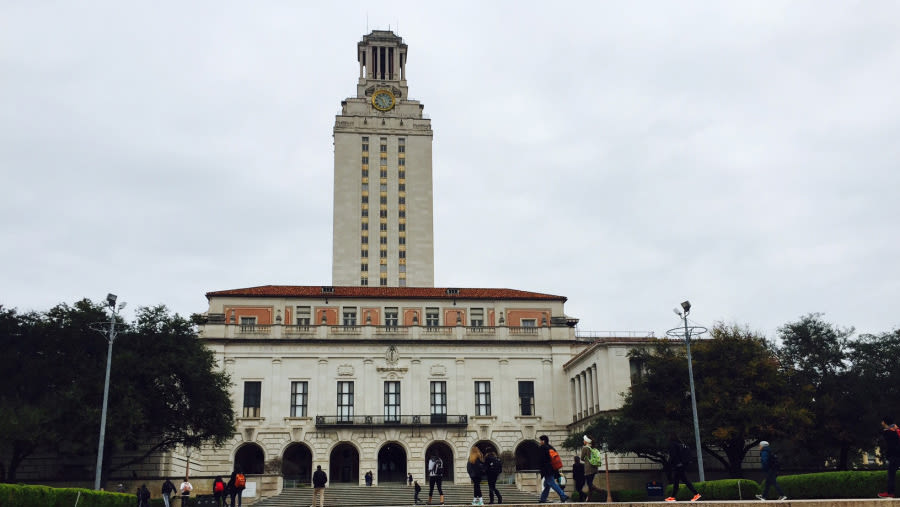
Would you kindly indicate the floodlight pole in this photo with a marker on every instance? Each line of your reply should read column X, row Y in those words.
column 687, row 341
column 111, row 337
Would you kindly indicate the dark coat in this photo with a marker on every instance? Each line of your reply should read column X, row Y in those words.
column 493, row 466
column 319, row 479
column 547, row 467
column 891, row 442
column 168, row 487
column 475, row 470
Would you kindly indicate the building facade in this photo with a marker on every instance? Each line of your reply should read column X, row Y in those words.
column 383, row 197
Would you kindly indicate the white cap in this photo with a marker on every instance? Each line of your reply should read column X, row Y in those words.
column 587, row 439
column 763, row 444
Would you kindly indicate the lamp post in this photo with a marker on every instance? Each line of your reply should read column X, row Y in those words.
column 110, row 338
column 686, row 335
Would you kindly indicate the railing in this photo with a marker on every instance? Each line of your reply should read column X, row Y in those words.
column 255, row 328
column 523, row 330
column 593, row 335
column 218, row 330
column 326, row 421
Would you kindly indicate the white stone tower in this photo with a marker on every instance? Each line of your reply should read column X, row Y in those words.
column 383, row 204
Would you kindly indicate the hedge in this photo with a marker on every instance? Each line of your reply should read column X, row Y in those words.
column 846, row 484
column 20, row 495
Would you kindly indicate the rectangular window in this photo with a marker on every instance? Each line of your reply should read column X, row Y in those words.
column 383, row 240
column 636, row 367
column 438, row 398
column 401, row 187
column 349, row 316
column 345, row 401
column 383, row 173
column 383, row 254
column 402, row 227
column 304, row 315
column 364, row 281
column 526, row 397
column 482, row 397
column 252, row 397
column 365, row 212
column 402, row 240
column 383, row 226
column 432, row 317
column 382, row 281
column 402, row 254
column 476, row 317
column 401, row 200
column 402, row 162
column 382, row 199
column 363, row 267
column 365, row 160
column 248, row 321
column 392, row 401
column 383, row 213
column 299, row 397
column 529, row 322
column 364, row 226
column 364, row 253
column 365, row 199
column 391, row 316
column 365, row 173
column 401, row 213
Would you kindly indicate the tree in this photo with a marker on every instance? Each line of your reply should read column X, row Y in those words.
column 741, row 398
column 875, row 382
column 165, row 386
column 816, row 357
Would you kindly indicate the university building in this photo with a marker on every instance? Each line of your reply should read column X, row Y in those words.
column 380, row 370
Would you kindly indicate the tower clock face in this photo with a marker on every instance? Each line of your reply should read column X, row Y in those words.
column 383, row 100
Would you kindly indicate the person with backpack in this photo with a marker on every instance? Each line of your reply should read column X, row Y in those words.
column 475, row 469
column 679, row 458
column 319, row 481
column 590, row 456
column 435, row 476
column 143, row 495
column 769, row 463
column 185, row 488
column 219, row 490
column 891, row 452
column 168, row 488
column 493, row 467
column 238, row 483
column 551, row 463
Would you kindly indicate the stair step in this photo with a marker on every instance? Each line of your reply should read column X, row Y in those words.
column 393, row 494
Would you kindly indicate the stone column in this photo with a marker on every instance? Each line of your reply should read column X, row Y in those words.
column 590, row 382
column 465, row 389
column 371, row 388
column 275, row 391
column 596, row 387
column 547, row 383
column 572, row 399
column 323, row 400
column 502, row 400
column 415, row 389
column 578, row 403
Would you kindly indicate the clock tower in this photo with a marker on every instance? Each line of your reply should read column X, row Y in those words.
column 383, row 227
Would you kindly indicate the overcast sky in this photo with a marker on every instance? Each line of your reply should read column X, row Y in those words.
column 626, row 155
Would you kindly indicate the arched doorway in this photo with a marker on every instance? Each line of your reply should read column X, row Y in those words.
column 296, row 465
column 249, row 459
column 392, row 463
column 344, row 462
column 443, row 451
column 528, row 456
column 486, row 446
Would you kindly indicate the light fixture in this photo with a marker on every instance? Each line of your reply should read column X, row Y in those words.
column 687, row 307
column 111, row 300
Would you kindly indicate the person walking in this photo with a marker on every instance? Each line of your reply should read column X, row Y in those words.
column 416, row 490
column 409, row 479
column 590, row 458
column 891, row 452
column 238, row 482
column 435, row 477
column 319, row 481
column 185, row 489
column 578, row 477
column 493, row 467
column 769, row 463
column 549, row 456
column 679, row 460
column 475, row 469
column 369, row 478
column 167, row 489
column 143, row 495
column 219, row 490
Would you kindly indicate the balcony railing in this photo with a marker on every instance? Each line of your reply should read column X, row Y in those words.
column 215, row 330
column 335, row 421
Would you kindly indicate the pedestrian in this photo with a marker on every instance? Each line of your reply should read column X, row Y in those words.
column 369, row 478
column 185, row 489
column 475, row 469
column 238, row 483
column 167, row 489
column 769, row 463
column 550, row 464
column 578, row 477
column 319, row 481
column 143, row 495
column 229, row 492
column 891, row 452
column 409, row 479
column 120, row 488
column 435, row 477
column 590, row 458
column 219, row 490
column 416, row 490
column 679, row 459
column 493, row 467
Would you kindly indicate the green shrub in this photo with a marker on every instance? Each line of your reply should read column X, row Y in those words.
column 846, row 484
column 20, row 495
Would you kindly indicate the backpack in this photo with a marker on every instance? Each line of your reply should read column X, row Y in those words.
column 240, row 481
column 494, row 465
column 555, row 460
column 686, row 454
column 219, row 487
column 438, row 470
column 594, row 458
column 774, row 462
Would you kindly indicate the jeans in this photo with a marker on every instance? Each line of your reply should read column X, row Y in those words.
column 236, row 493
column 772, row 480
column 893, row 463
column 492, row 488
column 166, row 499
column 549, row 482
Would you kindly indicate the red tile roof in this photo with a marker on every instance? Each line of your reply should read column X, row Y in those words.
column 318, row 291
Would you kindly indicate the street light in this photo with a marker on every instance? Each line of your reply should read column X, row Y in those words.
column 686, row 335
column 110, row 338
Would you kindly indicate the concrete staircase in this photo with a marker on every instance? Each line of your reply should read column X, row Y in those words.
column 392, row 494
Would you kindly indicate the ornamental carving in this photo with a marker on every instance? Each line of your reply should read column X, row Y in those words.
column 345, row 370
column 438, row 370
